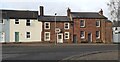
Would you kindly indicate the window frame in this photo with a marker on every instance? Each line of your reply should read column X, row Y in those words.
column 98, row 21
column 66, row 35
column 45, row 39
column 68, row 25
column 98, row 35
column 83, row 23
column 83, row 37
column 17, row 21
column 46, row 25
column 28, row 23
column 28, row 36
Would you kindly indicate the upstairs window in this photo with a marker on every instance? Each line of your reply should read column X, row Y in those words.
column 82, row 34
column 66, row 25
column 2, row 21
column 16, row 21
column 97, row 34
column 28, row 22
column 97, row 23
column 82, row 23
column 47, row 25
column 27, row 34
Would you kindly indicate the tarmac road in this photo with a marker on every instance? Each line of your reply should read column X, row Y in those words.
column 51, row 52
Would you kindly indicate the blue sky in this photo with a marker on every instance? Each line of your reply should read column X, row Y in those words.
column 58, row 6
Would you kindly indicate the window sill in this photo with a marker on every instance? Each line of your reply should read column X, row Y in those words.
column 82, row 26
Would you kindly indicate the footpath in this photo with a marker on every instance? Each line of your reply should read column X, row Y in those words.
column 97, row 55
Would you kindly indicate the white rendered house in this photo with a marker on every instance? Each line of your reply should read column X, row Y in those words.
column 20, row 26
column 116, row 32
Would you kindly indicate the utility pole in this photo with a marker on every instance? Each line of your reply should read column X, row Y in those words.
column 55, row 30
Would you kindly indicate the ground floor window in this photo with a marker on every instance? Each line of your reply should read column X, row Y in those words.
column 97, row 34
column 47, row 36
column 66, row 35
column 82, row 34
column 27, row 34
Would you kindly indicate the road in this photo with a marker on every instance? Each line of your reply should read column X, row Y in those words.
column 50, row 52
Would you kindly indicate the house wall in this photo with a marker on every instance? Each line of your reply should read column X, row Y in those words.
column 1, row 39
column 35, row 30
column 52, row 32
column 6, row 29
column 109, row 35
column 90, row 27
column 116, row 35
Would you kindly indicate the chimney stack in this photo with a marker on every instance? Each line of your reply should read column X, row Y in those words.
column 41, row 11
column 68, row 12
column 101, row 12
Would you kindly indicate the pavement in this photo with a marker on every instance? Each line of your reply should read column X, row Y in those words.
column 52, row 44
column 96, row 55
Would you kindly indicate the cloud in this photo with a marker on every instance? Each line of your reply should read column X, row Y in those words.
column 59, row 6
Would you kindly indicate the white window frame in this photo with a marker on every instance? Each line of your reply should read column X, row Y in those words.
column 99, row 23
column 67, row 25
column 66, row 35
column 28, row 22
column 98, row 36
column 84, row 23
column 17, row 21
column 45, row 25
column 28, row 35
column 83, row 36
column 45, row 36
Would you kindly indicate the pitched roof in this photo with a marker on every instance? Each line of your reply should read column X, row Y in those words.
column 52, row 18
column 87, row 15
column 21, row 14
column 116, row 24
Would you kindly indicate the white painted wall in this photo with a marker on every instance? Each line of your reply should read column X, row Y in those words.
column 116, row 35
column 35, row 29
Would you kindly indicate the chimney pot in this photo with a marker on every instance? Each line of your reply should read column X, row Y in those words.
column 68, row 12
column 41, row 11
column 101, row 12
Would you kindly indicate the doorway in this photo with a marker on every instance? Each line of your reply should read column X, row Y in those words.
column 74, row 39
column 16, row 36
column 60, row 38
column 89, row 37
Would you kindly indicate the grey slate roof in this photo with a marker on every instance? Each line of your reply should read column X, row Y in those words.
column 87, row 15
column 116, row 24
column 52, row 18
column 21, row 14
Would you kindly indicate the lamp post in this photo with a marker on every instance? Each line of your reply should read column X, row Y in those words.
column 55, row 30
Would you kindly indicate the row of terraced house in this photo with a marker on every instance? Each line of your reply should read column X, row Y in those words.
column 76, row 27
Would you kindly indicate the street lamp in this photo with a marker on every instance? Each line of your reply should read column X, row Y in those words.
column 55, row 29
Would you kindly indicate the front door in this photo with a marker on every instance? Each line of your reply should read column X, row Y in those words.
column 60, row 38
column 74, row 39
column 89, row 37
column 16, row 36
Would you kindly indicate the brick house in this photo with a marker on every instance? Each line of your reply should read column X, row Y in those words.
column 63, row 27
column 90, row 27
column 76, row 27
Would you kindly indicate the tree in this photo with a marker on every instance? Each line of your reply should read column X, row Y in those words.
column 114, row 10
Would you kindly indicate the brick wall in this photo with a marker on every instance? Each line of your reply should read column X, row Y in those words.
column 52, row 32
column 109, row 32
column 90, row 27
